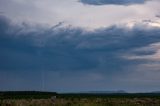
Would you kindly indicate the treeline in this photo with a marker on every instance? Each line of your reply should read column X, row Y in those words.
column 46, row 95
column 26, row 95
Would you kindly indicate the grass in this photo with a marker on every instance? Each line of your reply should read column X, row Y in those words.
column 82, row 102
column 44, row 99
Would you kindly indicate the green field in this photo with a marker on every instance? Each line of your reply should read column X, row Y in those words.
column 81, row 99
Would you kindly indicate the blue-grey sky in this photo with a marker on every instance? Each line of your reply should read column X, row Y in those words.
column 80, row 45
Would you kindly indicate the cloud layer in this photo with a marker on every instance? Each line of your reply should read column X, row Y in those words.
column 113, row 2
column 97, row 59
column 66, row 45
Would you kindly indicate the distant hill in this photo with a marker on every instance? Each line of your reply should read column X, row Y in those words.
column 155, row 92
column 106, row 92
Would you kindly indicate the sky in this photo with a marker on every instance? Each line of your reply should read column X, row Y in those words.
column 80, row 45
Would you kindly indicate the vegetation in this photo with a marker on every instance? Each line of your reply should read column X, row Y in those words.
column 45, row 99
column 26, row 95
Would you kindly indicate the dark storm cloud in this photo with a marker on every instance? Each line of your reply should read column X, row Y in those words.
column 28, row 51
column 69, row 49
column 32, row 58
column 114, row 2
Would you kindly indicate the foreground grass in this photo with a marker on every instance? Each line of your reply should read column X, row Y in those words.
column 82, row 102
column 44, row 99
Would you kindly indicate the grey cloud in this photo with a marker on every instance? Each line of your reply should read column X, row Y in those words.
column 69, row 49
column 66, row 51
column 113, row 2
column 149, row 53
column 21, row 52
column 158, row 16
